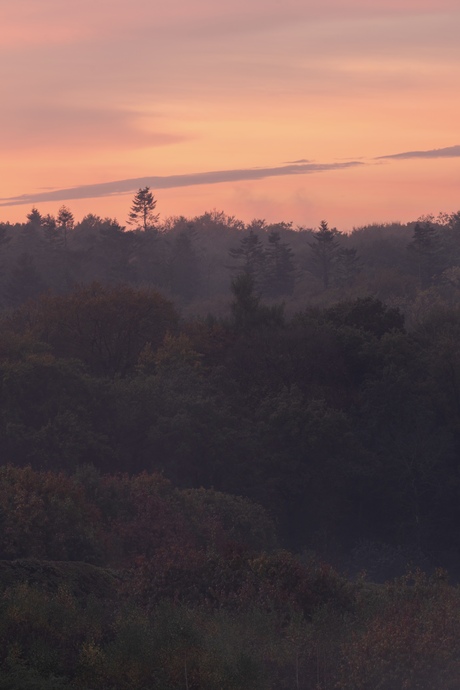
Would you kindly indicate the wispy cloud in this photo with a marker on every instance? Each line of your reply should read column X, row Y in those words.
column 301, row 166
column 448, row 152
column 172, row 181
column 54, row 127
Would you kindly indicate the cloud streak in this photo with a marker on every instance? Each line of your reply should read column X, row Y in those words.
column 57, row 127
column 107, row 189
column 447, row 152
column 301, row 166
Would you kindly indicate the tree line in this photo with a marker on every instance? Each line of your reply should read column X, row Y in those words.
column 264, row 496
column 193, row 261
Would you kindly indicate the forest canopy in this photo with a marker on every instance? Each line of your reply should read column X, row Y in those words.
column 218, row 442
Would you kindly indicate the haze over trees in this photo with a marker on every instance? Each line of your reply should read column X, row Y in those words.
column 218, row 442
column 193, row 261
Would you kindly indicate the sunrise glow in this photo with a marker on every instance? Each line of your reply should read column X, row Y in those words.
column 101, row 92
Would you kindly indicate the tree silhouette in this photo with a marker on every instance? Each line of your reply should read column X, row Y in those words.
column 425, row 248
column 279, row 268
column 348, row 266
column 65, row 223
column 249, row 256
column 35, row 218
column 324, row 252
column 142, row 210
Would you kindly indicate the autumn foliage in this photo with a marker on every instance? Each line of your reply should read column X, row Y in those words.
column 171, row 493
column 105, row 327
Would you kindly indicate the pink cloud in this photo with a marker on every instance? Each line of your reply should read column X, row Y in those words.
column 57, row 22
column 176, row 181
column 58, row 127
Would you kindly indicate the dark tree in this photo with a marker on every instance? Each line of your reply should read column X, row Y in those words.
column 142, row 210
column 450, row 238
column 50, row 230
column 54, row 261
column 25, row 282
column 325, row 249
column 35, row 218
column 425, row 248
column 184, row 266
column 118, row 248
column 348, row 266
column 65, row 223
column 107, row 328
column 5, row 239
column 152, row 254
column 246, row 303
column 249, row 257
column 279, row 267
column 368, row 314
column 247, row 311
column 29, row 237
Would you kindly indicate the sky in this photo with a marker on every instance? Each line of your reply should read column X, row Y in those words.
column 294, row 110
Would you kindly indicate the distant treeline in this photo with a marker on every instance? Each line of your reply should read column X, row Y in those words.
column 194, row 260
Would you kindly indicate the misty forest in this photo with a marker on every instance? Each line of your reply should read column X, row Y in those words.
column 230, row 453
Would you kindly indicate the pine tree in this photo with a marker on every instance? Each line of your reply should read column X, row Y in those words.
column 64, row 224
column 348, row 266
column 142, row 210
column 50, row 231
column 325, row 249
column 35, row 218
column 245, row 304
column 279, row 267
column 250, row 257
column 425, row 247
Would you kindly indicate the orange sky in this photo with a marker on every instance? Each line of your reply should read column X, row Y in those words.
column 109, row 91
